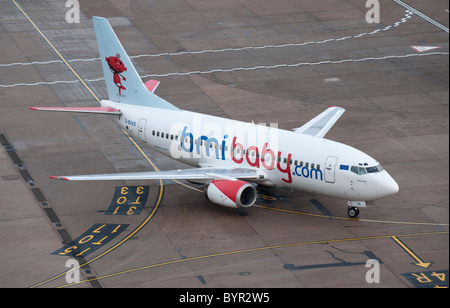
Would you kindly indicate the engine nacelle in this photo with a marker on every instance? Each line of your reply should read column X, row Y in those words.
column 235, row 194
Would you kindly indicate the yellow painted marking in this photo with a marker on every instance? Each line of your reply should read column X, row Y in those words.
column 56, row 51
column 161, row 191
column 412, row 254
column 131, row 139
column 252, row 250
column 353, row 219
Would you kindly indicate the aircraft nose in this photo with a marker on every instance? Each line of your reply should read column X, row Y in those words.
column 387, row 186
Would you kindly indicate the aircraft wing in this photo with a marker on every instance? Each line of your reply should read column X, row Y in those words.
column 99, row 110
column 322, row 123
column 181, row 174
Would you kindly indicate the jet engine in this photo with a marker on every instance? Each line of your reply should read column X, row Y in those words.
column 235, row 194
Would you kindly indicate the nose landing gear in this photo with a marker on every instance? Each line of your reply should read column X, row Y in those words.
column 353, row 207
column 353, row 212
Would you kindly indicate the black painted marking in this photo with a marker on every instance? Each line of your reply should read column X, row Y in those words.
column 321, row 208
column 202, row 280
column 65, row 236
column 38, row 195
column 95, row 237
column 51, row 215
column 341, row 263
column 428, row 279
column 3, row 140
column 128, row 200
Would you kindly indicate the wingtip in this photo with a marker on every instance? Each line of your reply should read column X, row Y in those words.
column 58, row 178
column 33, row 108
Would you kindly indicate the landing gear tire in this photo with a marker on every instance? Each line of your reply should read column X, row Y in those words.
column 353, row 212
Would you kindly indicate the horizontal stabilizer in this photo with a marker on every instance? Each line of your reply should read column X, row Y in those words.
column 98, row 110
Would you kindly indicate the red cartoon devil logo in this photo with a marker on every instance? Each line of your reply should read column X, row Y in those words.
column 117, row 67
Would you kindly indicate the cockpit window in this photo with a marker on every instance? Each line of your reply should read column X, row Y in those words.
column 372, row 169
column 363, row 170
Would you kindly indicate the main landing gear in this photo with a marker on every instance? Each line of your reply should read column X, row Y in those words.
column 352, row 211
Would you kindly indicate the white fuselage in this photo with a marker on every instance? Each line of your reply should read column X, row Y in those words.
column 286, row 158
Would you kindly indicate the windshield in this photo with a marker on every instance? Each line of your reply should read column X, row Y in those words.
column 363, row 170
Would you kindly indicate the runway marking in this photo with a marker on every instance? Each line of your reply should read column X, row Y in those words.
column 420, row 14
column 236, row 69
column 405, row 18
column 251, row 250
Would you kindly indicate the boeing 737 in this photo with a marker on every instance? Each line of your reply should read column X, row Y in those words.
column 231, row 157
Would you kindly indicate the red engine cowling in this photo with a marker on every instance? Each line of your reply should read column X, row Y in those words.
column 236, row 194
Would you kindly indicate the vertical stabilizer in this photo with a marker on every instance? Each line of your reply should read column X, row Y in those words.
column 122, row 80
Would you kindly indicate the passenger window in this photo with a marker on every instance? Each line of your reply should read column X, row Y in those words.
column 306, row 165
column 296, row 162
column 312, row 166
column 318, row 167
column 157, row 134
column 153, row 132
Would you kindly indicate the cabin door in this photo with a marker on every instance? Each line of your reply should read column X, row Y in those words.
column 141, row 129
column 330, row 167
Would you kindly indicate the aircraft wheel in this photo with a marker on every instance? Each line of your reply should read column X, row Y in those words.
column 353, row 212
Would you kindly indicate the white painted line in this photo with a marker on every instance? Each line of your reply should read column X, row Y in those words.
column 424, row 48
column 405, row 18
column 422, row 15
column 236, row 69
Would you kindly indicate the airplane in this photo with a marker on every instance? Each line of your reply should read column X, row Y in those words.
column 230, row 157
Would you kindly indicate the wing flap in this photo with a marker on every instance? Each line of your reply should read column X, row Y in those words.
column 98, row 110
column 322, row 123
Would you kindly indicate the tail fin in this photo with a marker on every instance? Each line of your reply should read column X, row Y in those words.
column 122, row 80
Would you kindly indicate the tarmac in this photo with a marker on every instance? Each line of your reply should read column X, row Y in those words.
column 248, row 60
